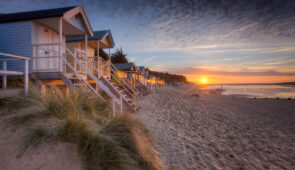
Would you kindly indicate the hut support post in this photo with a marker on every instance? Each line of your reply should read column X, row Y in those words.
column 98, row 60
column 26, row 77
column 114, row 107
column 59, row 43
column 121, row 104
column 86, row 41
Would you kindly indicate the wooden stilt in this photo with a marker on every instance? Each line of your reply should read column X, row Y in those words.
column 121, row 104
column 114, row 107
column 43, row 89
column 67, row 90
column 96, row 87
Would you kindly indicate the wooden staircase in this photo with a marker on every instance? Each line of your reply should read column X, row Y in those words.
column 72, row 81
column 129, row 102
column 141, row 88
column 117, row 93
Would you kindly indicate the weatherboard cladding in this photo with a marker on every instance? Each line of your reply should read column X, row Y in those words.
column 16, row 39
column 25, row 16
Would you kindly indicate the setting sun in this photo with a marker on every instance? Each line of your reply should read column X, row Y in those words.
column 204, row 80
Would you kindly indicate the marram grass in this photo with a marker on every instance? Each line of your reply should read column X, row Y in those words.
column 103, row 141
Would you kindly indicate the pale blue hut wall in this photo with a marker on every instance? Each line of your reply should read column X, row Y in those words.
column 15, row 38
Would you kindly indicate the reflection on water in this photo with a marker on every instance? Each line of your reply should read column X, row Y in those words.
column 270, row 91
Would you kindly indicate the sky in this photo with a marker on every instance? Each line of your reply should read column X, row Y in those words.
column 223, row 41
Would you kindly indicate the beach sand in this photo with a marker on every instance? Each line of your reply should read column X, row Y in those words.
column 214, row 131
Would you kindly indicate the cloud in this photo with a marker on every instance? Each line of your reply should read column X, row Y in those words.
column 215, row 32
column 202, row 71
column 191, row 22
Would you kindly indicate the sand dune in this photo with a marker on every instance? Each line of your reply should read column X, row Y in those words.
column 215, row 131
column 47, row 156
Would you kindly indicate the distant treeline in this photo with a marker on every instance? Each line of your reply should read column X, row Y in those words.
column 287, row 83
column 168, row 77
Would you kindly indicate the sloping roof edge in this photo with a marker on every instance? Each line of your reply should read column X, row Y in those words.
column 87, row 20
column 97, row 35
column 125, row 66
column 31, row 15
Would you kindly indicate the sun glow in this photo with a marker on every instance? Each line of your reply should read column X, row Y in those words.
column 204, row 80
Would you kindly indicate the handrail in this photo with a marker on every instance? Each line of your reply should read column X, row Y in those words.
column 95, row 79
column 115, row 70
column 44, row 44
column 77, row 74
column 134, row 93
column 127, row 83
column 102, row 65
column 15, row 56
column 26, row 71
column 45, row 57
column 81, row 51
column 117, row 78
column 92, row 76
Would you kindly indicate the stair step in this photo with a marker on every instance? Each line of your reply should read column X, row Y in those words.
column 79, row 84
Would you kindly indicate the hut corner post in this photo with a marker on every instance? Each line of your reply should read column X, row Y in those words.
column 26, row 77
column 121, row 104
column 86, row 42
column 59, row 43
column 109, row 63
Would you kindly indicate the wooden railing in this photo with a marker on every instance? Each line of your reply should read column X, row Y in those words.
column 79, row 55
column 65, row 61
column 126, row 84
column 4, row 72
column 91, row 60
column 104, row 67
column 115, row 99
column 46, row 58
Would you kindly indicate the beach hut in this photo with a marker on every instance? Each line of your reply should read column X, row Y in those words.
column 100, row 40
column 41, row 36
column 142, row 75
column 129, row 70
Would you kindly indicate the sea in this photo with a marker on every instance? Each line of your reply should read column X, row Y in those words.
column 257, row 90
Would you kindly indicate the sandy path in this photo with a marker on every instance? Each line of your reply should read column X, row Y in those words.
column 220, row 131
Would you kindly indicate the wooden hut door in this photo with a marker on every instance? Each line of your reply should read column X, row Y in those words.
column 48, row 53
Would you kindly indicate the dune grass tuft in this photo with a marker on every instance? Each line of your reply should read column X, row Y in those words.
column 21, row 119
column 98, row 151
column 103, row 141
column 24, row 118
column 132, row 135
column 14, row 103
column 34, row 137
column 21, row 101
